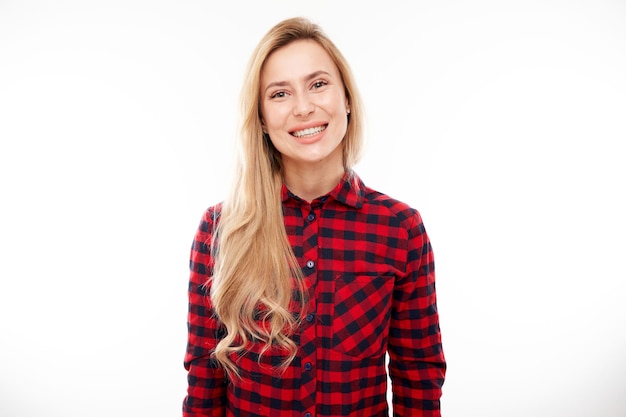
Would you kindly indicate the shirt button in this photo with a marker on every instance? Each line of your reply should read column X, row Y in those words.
column 311, row 217
column 310, row 264
column 308, row 366
column 307, row 415
column 309, row 317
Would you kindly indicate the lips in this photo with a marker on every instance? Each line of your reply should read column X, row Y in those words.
column 311, row 131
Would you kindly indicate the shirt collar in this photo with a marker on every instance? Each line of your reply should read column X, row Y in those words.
column 350, row 191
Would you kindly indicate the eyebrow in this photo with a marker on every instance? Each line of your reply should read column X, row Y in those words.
column 306, row 78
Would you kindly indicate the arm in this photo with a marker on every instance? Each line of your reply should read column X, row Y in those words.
column 206, row 390
column 417, row 365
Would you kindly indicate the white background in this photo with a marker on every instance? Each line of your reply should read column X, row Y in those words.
column 503, row 122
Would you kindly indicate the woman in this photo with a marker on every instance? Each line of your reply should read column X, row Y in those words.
column 304, row 278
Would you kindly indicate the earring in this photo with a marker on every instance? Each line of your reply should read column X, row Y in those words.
column 348, row 115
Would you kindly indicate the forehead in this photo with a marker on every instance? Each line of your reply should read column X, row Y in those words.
column 297, row 59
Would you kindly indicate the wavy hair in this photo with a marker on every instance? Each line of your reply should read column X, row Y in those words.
column 257, row 289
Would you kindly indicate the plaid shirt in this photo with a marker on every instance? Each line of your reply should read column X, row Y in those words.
column 368, row 265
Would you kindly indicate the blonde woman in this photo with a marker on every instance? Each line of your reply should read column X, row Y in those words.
column 303, row 279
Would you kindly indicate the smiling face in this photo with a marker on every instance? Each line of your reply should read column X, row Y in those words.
column 304, row 106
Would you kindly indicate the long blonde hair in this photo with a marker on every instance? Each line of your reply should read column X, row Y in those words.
column 255, row 265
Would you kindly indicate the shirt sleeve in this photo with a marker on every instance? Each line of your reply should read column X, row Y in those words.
column 206, row 389
column 416, row 361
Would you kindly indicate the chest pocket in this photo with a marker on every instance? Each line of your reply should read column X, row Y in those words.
column 362, row 306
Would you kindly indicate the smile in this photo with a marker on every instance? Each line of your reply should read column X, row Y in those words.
column 308, row 132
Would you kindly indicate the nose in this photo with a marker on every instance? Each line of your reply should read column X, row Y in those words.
column 303, row 106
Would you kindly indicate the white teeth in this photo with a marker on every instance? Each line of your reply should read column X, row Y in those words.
column 308, row 132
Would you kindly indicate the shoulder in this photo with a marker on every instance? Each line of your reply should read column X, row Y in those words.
column 210, row 217
column 398, row 217
column 384, row 204
column 206, row 228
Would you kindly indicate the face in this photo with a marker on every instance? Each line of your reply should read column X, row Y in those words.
column 304, row 106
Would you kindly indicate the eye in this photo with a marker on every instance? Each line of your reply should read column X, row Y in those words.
column 278, row 94
column 319, row 84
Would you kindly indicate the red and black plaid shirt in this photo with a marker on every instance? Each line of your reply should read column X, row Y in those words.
column 369, row 268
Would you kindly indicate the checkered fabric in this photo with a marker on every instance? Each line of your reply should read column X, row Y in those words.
column 369, row 270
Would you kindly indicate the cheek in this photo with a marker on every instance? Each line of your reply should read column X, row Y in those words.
column 273, row 117
column 339, row 106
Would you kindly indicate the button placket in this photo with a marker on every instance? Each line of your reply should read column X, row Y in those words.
column 309, row 260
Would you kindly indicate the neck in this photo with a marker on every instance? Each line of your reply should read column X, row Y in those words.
column 310, row 182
